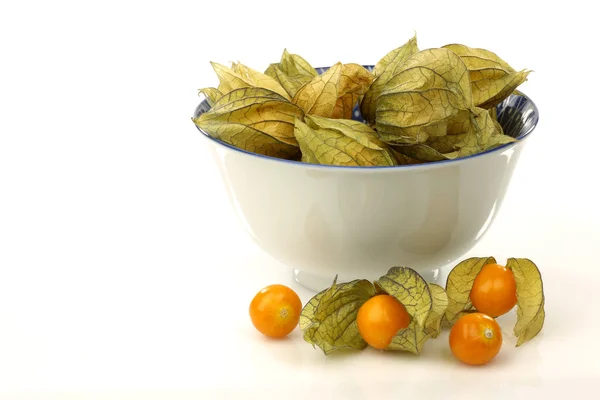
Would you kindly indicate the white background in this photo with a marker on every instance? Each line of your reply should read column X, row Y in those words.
column 123, row 271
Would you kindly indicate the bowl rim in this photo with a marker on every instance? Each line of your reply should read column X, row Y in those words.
column 422, row 166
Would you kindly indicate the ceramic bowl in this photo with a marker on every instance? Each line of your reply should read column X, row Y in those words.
column 357, row 222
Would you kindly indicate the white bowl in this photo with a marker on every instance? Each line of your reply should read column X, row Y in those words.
column 357, row 222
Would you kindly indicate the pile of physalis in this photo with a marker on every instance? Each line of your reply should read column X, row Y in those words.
column 418, row 106
column 401, row 311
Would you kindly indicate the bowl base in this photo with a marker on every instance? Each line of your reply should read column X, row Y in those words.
column 318, row 283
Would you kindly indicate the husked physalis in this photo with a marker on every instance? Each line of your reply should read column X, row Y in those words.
column 418, row 106
column 400, row 311
column 480, row 284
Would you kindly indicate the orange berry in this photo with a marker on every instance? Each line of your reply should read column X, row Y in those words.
column 275, row 311
column 380, row 318
column 475, row 338
column 494, row 290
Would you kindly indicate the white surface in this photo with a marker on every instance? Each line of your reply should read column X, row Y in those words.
column 123, row 272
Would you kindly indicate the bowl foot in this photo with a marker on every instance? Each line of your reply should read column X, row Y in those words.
column 317, row 283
